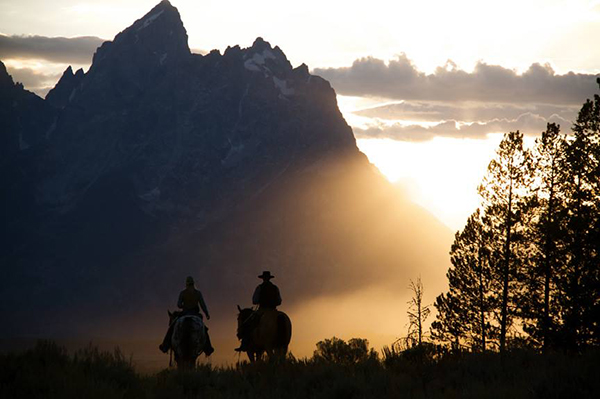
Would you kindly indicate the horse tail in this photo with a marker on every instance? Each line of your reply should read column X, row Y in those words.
column 284, row 329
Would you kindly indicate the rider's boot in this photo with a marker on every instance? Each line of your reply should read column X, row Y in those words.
column 165, row 346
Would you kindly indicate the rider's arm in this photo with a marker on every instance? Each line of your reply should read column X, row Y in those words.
column 180, row 301
column 278, row 296
column 202, row 304
column 256, row 296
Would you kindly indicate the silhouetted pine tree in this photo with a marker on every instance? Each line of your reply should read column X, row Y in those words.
column 533, row 254
column 448, row 326
column 502, row 189
column 539, row 307
column 579, row 282
column 471, row 286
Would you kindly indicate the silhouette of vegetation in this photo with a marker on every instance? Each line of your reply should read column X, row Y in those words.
column 417, row 312
column 467, row 311
column 336, row 350
column 48, row 371
column 526, row 267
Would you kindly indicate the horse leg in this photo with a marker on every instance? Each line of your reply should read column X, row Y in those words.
column 279, row 353
column 269, row 353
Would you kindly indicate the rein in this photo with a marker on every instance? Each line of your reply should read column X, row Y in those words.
column 252, row 314
column 248, row 318
column 242, row 329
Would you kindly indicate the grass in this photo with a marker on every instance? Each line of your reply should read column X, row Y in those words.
column 48, row 371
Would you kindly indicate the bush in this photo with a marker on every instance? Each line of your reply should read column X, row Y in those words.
column 336, row 350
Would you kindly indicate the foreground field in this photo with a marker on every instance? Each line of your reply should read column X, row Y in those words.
column 48, row 371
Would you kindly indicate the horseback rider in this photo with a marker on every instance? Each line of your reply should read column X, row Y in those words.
column 190, row 301
column 267, row 297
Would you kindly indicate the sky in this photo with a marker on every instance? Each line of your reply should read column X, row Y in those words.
column 427, row 86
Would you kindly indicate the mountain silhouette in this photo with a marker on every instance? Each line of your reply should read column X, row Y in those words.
column 158, row 163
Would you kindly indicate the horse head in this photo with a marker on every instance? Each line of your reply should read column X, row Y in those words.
column 243, row 317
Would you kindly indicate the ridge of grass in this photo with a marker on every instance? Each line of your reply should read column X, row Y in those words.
column 49, row 371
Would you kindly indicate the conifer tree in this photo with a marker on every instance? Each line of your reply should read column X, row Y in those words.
column 448, row 326
column 540, row 311
column 532, row 256
column 579, row 283
column 470, row 298
column 501, row 190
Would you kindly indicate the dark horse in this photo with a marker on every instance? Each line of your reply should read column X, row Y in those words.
column 189, row 338
column 267, row 331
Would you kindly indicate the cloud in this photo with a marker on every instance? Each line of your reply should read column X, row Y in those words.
column 527, row 123
column 400, row 79
column 465, row 112
column 77, row 50
column 33, row 80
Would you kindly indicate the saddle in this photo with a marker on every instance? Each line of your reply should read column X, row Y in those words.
column 252, row 322
column 178, row 314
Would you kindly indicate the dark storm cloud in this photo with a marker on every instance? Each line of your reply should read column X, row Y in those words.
column 527, row 123
column 76, row 50
column 400, row 79
column 466, row 112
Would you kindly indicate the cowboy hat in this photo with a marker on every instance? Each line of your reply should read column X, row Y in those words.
column 266, row 275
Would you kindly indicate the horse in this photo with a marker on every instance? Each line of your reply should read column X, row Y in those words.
column 264, row 330
column 188, row 340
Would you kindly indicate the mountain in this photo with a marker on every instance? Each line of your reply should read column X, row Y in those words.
column 158, row 163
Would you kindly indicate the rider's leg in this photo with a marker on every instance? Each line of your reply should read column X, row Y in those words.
column 166, row 344
column 208, row 348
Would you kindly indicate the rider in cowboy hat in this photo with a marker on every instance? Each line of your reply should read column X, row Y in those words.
column 266, row 296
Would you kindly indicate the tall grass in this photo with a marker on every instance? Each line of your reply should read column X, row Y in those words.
column 48, row 371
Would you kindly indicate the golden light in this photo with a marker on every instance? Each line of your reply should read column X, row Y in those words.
column 441, row 175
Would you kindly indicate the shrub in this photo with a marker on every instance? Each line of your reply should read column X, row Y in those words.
column 336, row 350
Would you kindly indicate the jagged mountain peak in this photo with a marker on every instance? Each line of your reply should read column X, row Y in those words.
column 5, row 79
column 261, row 57
column 60, row 95
column 162, row 12
column 69, row 72
column 260, row 44
column 159, row 37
